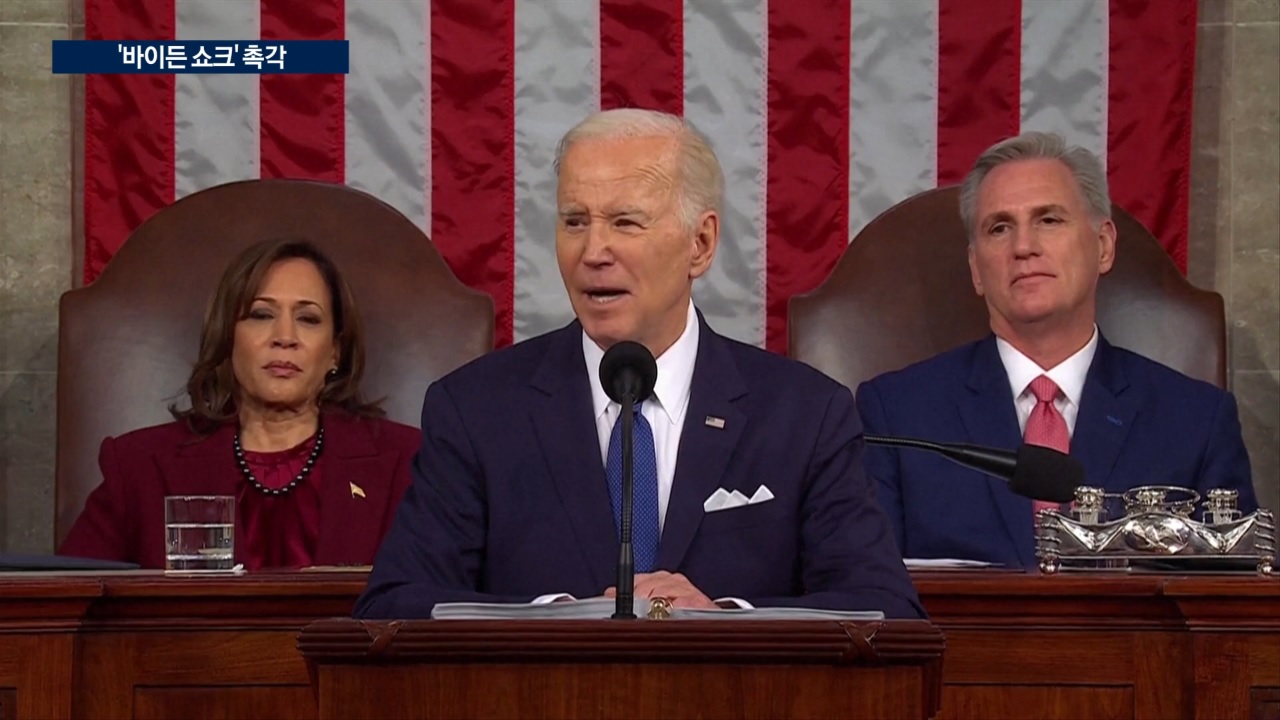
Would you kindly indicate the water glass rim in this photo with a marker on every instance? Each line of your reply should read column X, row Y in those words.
column 198, row 497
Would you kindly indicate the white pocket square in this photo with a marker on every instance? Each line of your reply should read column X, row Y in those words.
column 722, row 499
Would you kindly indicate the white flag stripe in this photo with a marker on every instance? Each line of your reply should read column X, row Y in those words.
column 893, row 105
column 1056, row 75
column 386, row 104
column 725, row 97
column 1064, row 70
column 557, row 83
column 216, row 122
column 425, row 189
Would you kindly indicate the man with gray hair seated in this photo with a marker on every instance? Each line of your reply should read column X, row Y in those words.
column 749, row 485
column 1040, row 236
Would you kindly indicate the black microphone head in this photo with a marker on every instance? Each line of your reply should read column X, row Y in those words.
column 1046, row 474
column 628, row 368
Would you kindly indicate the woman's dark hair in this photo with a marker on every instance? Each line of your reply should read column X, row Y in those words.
column 212, row 387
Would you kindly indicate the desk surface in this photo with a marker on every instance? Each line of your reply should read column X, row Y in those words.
column 948, row 595
column 928, row 582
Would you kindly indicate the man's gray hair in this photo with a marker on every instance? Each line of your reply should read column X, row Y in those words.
column 1085, row 167
column 701, row 181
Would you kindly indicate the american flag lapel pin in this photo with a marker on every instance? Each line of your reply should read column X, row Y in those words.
column 715, row 422
column 356, row 490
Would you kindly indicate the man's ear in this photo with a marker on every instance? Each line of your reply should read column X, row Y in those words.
column 706, row 238
column 1106, row 246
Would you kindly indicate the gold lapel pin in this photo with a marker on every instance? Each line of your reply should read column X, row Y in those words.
column 356, row 490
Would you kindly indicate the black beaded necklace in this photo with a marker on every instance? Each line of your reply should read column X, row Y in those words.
column 302, row 474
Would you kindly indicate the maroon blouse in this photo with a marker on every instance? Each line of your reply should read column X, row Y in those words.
column 280, row 530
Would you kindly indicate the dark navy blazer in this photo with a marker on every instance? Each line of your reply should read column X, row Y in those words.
column 1140, row 423
column 509, row 500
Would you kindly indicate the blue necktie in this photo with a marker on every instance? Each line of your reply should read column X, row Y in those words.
column 644, row 525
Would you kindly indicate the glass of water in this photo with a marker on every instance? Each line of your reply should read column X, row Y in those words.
column 199, row 533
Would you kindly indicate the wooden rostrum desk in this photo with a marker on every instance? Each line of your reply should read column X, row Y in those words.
column 141, row 645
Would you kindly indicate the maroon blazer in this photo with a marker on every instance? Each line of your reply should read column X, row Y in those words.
column 123, row 519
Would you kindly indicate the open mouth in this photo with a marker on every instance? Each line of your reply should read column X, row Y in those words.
column 604, row 295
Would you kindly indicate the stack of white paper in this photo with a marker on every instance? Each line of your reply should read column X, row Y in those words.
column 602, row 609
column 945, row 563
column 776, row 613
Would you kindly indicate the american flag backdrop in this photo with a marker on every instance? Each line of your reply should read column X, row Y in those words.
column 824, row 113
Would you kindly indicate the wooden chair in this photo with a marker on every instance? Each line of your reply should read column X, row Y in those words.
column 901, row 293
column 126, row 343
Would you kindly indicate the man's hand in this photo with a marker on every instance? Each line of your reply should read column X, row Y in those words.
column 673, row 586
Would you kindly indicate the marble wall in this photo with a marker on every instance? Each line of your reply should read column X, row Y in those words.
column 1235, row 208
column 36, row 260
column 1235, row 219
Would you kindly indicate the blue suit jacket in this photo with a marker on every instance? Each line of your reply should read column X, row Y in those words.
column 509, row 499
column 1140, row 423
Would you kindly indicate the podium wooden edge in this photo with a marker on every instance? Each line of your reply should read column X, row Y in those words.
column 595, row 641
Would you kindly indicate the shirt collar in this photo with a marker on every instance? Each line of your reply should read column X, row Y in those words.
column 1069, row 375
column 675, row 372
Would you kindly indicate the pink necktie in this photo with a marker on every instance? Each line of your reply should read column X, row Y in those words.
column 1046, row 426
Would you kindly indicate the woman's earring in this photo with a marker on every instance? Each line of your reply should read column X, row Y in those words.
column 331, row 375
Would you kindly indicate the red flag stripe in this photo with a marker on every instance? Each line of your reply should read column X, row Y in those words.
column 979, row 81
column 807, row 200
column 472, row 155
column 129, row 137
column 301, row 116
column 642, row 54
column 1149, row 88
column 128, row 140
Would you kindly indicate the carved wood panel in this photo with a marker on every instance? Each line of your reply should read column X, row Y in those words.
column 1264, row 704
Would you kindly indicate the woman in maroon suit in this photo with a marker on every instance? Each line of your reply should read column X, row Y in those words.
column 276, row 419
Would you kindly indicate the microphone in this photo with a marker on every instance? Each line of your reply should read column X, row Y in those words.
column 627, row 373
column 1034, row 471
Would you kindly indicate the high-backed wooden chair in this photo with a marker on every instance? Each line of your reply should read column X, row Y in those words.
column 902, row 293
column 127, row 342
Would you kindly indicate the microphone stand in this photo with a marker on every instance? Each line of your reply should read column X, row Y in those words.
column 625, row 608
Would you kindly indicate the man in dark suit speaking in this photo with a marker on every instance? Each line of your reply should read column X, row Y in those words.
column 1040, row 236
column 749, row 487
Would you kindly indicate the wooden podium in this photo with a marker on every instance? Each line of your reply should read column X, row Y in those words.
column 624, row 669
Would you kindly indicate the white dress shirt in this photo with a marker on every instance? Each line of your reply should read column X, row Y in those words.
column 1069, row 375
column 664, row 410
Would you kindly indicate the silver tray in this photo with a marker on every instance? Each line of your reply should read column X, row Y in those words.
column 1156, row 529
